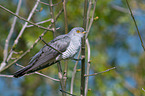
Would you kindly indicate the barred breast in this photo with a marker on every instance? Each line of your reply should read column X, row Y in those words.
column 72, row 49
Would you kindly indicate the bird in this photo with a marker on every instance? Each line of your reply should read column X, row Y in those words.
column 60, row 48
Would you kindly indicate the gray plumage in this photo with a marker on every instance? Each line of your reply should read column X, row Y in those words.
column 68, row 44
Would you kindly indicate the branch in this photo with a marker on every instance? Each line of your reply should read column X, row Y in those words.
column 89, row 24
column 40, row 22
column 24, row 19
column 32, row 46
column 39, row 74
column 101, row 72
column 67, row 93
column 135, row 25
column 50, row 45
column 49, row 4
column 83, row 51
column 88, row 66
column 92, row 19
column 66, row 31
column 143, row 89
column 60, row 75
column 74, row 73
column 88, row 13
column 3, row 64
column 1, row 75
column 53, row 18
column 22, row 30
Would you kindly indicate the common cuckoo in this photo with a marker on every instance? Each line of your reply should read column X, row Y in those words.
column 67, row 45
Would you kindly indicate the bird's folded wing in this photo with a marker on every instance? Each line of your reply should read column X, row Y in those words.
column 46, row 56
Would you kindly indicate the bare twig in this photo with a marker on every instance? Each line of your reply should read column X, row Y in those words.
column 40, row 22
column 58, row 3
column 43, row 3
column 59, row 14
column 26, row 23
column 47, row 76
column 24, row 19
column 92, row 18
column 67, row 93
column 66, row 31
column 88, row 12
column 39, row 73
column 3, row 64
column 53, row 18
column 52, row 4
column 22, row 30
column 143, row 89
column 135, row 25
column 125, row 10
column 101, row 72
column 32, row 46
column 1, row 75
column 50, row 45
column 74, row 73
column 65, row 17
column 89, row 24
column 83, row 51
column 60, row 75
column 88, row 66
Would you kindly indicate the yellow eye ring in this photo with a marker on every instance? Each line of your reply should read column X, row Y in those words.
column 78, row 31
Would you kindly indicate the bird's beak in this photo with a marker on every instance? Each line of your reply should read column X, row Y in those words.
column 84, row 32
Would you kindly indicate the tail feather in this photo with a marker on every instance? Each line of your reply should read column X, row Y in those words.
column 22, row 71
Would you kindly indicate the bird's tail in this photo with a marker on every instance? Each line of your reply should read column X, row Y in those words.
column 22, row 71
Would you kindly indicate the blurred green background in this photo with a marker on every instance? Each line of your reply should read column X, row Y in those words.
column 113, row 40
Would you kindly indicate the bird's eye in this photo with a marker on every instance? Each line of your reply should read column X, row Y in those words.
column 78, row 31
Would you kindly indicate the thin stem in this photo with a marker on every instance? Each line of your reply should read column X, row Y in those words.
column 50, row 45
column 26, row 23
column 22, row 30
column 67, row 93
column 87, row 42
column 135, row 25
column 10, row 76
column 100, row 72
column 83, row 51
column 88, row 66
column 52, row 4
column 65, row 17
column 92, row 19
column 88, row 13
column 53, row 18
column 32, row 46
column 74, row 73
column 60, row 75
column 40, row 22
column 66, row 31
column 143, row 89
column 3, row 64
column 24, row 19
column 39, row 74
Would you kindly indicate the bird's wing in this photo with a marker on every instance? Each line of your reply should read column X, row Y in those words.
column 46, row 56
column 60, row 43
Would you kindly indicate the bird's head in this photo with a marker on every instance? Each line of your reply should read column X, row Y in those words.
column 77, row 31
